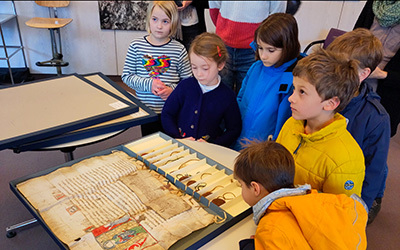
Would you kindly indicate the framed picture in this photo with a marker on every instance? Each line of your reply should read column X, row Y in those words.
column 123, row 15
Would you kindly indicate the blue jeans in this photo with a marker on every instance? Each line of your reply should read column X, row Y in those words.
column 240, row 60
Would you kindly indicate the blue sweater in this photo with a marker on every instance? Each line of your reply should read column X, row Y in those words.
column 369, row 124
column 263, row 101
column 188, row 112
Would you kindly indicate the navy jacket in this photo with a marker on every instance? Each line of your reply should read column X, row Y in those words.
column 188, row 112
column 369, row 124
column 388, row 88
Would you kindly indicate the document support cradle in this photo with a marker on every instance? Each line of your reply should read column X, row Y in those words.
column 4, row 18
column 53, row 24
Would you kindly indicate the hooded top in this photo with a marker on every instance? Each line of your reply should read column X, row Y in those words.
column 313, row 221
column 330, row 160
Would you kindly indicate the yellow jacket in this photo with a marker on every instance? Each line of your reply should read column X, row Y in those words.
column 313, row 221
column 330, row 160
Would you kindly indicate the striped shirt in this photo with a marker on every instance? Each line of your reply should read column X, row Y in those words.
column 144, row 62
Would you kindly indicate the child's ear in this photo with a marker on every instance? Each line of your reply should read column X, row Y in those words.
column 221, row 66
column 364, row 73
column 331, row 104
column 256, row 187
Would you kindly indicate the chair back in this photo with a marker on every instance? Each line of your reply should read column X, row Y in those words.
column 53, row 4
column 333, row 33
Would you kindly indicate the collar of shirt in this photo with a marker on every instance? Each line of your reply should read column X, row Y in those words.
column 206, row 89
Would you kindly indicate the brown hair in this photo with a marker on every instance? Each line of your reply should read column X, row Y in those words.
column 332, row 74
column 210, row 45
column 267, row 163
column 280, row 30
column 360, row 44
column 170, row 9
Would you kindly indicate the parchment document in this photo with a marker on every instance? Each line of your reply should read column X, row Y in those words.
column 113, row 202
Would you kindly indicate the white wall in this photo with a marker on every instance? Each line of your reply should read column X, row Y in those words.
column 90, row 49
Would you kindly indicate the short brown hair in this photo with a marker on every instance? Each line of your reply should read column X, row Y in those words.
column 267, row 163
column 360, row 44
column 170, row 9
column 280, row 30
column 331, row 73
column 210, row 45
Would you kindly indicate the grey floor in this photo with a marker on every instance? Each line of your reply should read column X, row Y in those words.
column 382, row 234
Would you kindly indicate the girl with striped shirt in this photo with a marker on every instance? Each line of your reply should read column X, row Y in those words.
column 155, row 63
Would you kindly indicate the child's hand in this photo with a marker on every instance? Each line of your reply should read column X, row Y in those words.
column 201, row 140
column 157, row 86
column 189, row 138
column 164, row 93
column 252, row 236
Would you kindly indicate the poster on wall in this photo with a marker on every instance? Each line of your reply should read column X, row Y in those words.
column 123, row 15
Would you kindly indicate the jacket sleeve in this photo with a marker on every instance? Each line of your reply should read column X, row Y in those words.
column 375, row 148
column 244, row 86
column 393, row 69
column 214, row 10
column 129, row 75
column 170, row 113
column 271, row 238
column 233, row 125
column 343, row 181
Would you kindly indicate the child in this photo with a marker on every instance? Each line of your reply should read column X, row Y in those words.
column 263, row 97
column 368, row 122
column 235, row 22
column 156, row 63
column 327, row 156
column 198, row 106
column 294, row 218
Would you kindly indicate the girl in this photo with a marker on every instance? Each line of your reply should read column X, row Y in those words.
column 263, row 97
column 199, row 105
column 155, row 63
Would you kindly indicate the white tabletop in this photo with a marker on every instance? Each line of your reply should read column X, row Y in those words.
column 245, row 228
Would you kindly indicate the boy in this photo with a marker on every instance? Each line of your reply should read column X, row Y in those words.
column 326, row 155
column 294, row 218
column 368, row 121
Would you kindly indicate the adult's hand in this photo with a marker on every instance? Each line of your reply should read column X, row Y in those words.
column 378, row 74
column 185, row 4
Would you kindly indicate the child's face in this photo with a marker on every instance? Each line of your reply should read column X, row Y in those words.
column 305, row 102
column 205, row 70
column 269, row 54
column 160, row 25
column 248, row 193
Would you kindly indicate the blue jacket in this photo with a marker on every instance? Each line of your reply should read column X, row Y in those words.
column 188, row 112
column 263, row 101
column 369, row 124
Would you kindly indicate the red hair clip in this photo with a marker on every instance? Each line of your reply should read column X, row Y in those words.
column 219, row 51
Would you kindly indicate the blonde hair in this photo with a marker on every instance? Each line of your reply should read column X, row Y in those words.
column 210, row 45
column 360, row 44
column 332, row 74
column 170, row 9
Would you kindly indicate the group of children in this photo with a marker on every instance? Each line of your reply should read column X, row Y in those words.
column 330, row 130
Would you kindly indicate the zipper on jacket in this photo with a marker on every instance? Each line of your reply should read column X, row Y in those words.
column 295, row 151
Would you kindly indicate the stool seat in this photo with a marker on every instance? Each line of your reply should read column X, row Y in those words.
column 48, row 23
column 53, row 23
